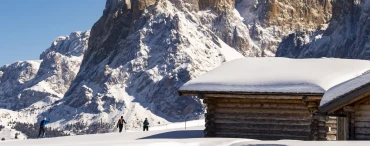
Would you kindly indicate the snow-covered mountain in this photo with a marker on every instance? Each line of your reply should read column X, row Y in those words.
column 29, row 88
column 345, row 36
column 27, row 82
column 141, row 51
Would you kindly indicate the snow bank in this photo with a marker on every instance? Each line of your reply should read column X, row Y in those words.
column 190, row 137
column 278, row 75
column 344, row 88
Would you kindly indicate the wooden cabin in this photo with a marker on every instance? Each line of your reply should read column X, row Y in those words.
column 350, row 102
column 271, row 98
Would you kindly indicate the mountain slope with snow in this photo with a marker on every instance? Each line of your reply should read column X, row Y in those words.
column 345, row 36
column 23, row 84
column 139, row 54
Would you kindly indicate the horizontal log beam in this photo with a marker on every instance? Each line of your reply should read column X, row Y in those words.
column 256, row 116
column 261, row 105
column 259, row 122
column 349, row 109
column 362, row 113
column 261, row 137
column 363, row 101
column 362, row 130
column 332, row 125
column 253, row 96
column 264, row 132
column 312, row 105
column 261, row 111
column 226, row 100
column 311, row 98
column 362, row 137
column 362, row 124
column 363, row 107
column 362, row 119
column 297, row 128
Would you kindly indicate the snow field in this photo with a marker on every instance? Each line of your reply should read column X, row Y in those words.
column 176, row 137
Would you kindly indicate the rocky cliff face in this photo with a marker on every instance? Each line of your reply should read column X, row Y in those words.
column 145, row 60
column 13, row 77
column 142, row 51
column 23, row 84
column 268, row 21
column 345, row 36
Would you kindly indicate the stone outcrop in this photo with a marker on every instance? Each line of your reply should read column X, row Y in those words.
column 344, row 36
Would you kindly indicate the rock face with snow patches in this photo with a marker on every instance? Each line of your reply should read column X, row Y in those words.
column 142, row 56
column 345, row 36
column 25, row 83
column 145, row 50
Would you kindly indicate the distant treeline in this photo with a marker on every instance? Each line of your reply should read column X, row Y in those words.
column 32, row 130
column 79, row 128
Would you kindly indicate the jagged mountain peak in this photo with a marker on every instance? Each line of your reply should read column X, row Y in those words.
column 73, row 45
column 25, row 83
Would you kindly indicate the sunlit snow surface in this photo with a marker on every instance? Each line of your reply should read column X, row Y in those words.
column 278, row 75
column 177, row 137
column 345, row 88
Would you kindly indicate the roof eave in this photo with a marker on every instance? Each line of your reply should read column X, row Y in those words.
column 345, row 99
column 195, row 93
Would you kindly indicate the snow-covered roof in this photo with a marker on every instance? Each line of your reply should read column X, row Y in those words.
column 341, row 93
column 277, row 75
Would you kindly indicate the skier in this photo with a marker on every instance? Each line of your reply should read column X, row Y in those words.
column 146, row 125
column 42, row 127
column 120, row 124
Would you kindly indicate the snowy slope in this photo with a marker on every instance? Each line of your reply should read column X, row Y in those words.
column 7, row 117
column 179, row 137
column 30, row 88
column 278, row 75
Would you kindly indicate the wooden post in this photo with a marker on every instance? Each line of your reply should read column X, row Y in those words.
column 185, row 122
column 350, row 110
column 210, row 130
column 101, row 123
column 315, row 127
column 351, row 126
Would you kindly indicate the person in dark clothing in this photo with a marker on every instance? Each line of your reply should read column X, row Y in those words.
column 146, row 125
column 42, row 127
column 120, row 124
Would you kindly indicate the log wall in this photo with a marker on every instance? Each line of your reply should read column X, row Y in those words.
column 362, row 121
column 342, row 125
column 266, row 118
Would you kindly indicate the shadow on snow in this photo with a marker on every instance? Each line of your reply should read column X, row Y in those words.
column 183, row 134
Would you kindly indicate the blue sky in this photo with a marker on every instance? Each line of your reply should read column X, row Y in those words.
column 28, row 27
